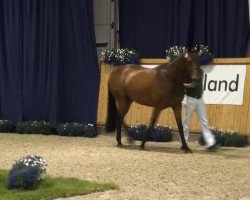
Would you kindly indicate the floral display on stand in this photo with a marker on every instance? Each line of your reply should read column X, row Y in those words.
column 156, row 134
column 204, row 52
column 77, row 129
column 121, row 56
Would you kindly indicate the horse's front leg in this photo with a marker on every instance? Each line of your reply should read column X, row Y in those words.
column 177, row 113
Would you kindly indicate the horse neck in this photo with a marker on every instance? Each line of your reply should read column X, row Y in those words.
column 177, row 70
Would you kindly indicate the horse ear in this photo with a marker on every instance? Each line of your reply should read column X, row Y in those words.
column 186, row 55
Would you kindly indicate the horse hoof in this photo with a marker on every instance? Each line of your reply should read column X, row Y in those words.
column 188, row 151
column 142, row 147
column 119, row 145
column 131, row 140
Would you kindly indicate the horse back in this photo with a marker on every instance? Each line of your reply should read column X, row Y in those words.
column 139, row 84
column 131, row 76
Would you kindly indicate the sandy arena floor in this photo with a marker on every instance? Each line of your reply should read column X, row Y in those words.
column 162, row 172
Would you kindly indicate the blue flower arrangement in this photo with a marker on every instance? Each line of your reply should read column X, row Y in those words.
column 27, row 172
column 77, row 129
column 156, row 134
column 34, row 127
column 6, row 126
column 162, row 134
column 139, row 132
column 45, row 128
column 205, row 55
column 121, row 56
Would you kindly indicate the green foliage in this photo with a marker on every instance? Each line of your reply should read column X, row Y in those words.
column 233, row 139
column 227, row 139
column 34, row 127
column 27, row 172
column 51, row 188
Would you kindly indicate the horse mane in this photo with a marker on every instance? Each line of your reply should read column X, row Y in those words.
column 174, row 70
column 173, row 62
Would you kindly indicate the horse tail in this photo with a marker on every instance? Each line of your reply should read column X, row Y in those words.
column 112, row 113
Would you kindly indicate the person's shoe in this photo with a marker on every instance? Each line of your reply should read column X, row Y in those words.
column 213, row 147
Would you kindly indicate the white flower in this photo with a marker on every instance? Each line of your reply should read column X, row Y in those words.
column 175, row 51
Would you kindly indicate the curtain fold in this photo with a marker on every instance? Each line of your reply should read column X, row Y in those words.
column 11, row 59
column 48, row 50
column 153, row 26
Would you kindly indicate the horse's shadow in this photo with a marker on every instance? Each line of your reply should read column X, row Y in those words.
column 222, row 152
column 160, row 149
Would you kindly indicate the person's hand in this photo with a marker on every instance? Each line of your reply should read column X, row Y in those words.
column 189, row 85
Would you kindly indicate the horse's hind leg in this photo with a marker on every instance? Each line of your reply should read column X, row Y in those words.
column 123, row 107
column 118, row 133
column 126, row 127
column 154, row 116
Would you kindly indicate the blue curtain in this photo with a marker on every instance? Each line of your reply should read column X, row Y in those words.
column 153, row 26
column 48, row 61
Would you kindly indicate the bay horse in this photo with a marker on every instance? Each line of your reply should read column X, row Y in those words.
column 160, row 87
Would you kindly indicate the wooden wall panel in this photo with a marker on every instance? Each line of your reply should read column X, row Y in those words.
column 245, row 123
column 225, row 117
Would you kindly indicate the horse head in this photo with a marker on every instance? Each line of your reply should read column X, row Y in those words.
column 192, row 61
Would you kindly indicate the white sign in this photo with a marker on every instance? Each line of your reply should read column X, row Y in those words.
column 222, row 84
